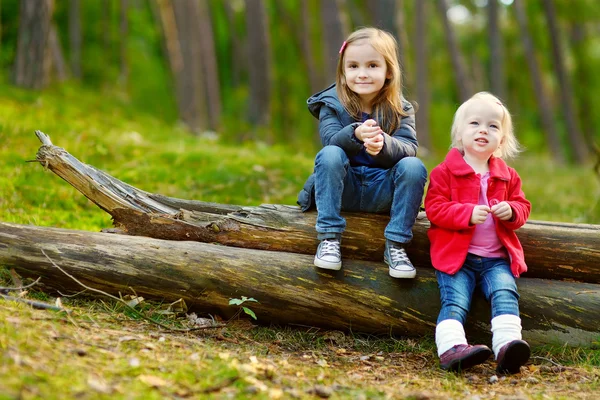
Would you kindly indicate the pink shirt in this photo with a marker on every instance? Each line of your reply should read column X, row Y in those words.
column 485, row 241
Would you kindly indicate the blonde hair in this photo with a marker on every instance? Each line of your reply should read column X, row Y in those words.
column 387, row 105
column 509, row 146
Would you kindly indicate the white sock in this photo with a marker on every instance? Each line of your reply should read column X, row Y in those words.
column 505, row 328
column 448, row 334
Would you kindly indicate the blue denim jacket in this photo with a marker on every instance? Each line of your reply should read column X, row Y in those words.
column 336, row 127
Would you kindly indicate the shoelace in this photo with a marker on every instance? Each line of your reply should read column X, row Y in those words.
column 330, row 247
column 398, row 255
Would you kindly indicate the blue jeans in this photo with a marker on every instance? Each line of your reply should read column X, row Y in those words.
column 492, row 275
column 341, row 187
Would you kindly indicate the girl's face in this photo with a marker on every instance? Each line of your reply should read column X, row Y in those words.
column 365, row 71
column 481, row 133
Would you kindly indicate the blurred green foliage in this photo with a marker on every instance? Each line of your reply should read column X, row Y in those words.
column 131, row 130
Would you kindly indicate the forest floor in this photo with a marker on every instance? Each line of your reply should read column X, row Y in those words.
column 100, row 350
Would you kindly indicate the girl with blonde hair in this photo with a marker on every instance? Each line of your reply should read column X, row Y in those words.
column 475, row 203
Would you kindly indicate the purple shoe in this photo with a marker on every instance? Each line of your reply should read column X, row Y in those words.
column 511, row 356
column 463, row 356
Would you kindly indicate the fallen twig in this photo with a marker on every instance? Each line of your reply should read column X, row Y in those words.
column 35, row 304
column 127, row 305
column 549, row 360
column 8, row 289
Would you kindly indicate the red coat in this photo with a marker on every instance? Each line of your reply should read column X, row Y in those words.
column 453, row 193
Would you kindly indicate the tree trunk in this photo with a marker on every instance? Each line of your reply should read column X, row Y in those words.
column 462, row 83
column 576, row 138
column 32, row 59
column 552, row 250
column 496, row 61
column 165, row 17
column 403, row 45
column 237, row 56
column 209, row 66
column 333, row 36
column 384, row 12
column 314, row 77
column 75, row 37
column 289, row 290
column 193, row 110
column 57, row 58
column 259, row 63
column 544, row 108
column 422, row 75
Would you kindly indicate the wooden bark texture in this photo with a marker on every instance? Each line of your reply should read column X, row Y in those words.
column 290, row 290
column 557, row 251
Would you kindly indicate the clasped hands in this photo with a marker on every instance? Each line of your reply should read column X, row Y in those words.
column 371, row 135
column 502, row 211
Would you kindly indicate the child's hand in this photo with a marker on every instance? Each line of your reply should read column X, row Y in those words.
column 480, row 213
column 502, row 211
column 374, row 145
column 367, row 130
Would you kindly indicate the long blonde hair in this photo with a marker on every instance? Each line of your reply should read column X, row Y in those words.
column 510, row 145
column 387, row 107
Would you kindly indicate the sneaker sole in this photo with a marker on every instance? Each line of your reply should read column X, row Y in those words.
column 394, row 273
column 476, row 358
column 515, row 356
column 327, row 265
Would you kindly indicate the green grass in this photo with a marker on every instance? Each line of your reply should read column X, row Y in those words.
column 102, row 351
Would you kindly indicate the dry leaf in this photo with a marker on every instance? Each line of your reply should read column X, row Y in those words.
column 153, row 381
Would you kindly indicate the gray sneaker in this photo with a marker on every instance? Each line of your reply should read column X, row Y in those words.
column 329, row 255
column 395, row 257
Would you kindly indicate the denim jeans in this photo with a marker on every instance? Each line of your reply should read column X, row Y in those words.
column 341, row 187
column 492, row 275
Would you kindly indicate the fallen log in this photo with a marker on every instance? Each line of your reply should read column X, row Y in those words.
column 361, row 297
column 557, row 251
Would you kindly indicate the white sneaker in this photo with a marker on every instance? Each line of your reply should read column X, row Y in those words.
column 329, row 255
column 400, row 266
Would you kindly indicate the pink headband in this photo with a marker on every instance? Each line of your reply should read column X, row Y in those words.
column 342, row 48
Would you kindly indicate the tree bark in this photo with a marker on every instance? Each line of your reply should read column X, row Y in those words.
column 496, row 61
column 192, row 103
column 576, row 138
column 552, row 250
column 403, row 45
column 422, row 75
column 333, row 36
column 32, row 59
column 544, row 108
column 259, row 63
column 361, row 297
column 464, row 88
column 209, row 65
column 57, row 58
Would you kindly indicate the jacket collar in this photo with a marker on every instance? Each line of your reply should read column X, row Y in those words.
column 327, row 96
column 458, row 166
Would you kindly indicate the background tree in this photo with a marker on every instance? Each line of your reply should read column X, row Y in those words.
column 496, row 50
column 421, row 68
column 333, row 36
column 574, row 133
column 463, row 84
column 259, row 62
column 32, row 60
column 209, row 65
column 244, row 68
column 541, row 97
